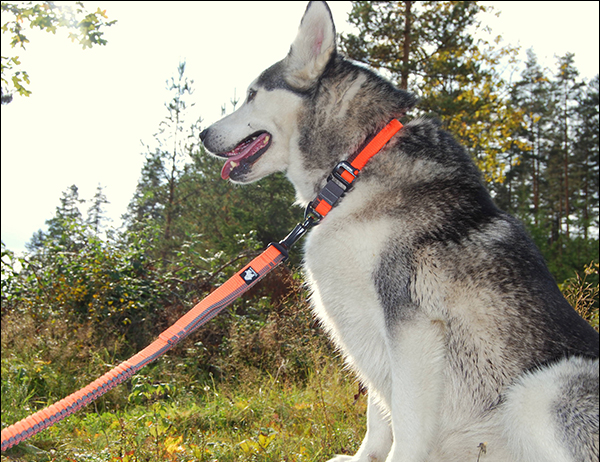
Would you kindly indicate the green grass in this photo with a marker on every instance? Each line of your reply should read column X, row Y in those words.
column 263, row 419
column 294, row 403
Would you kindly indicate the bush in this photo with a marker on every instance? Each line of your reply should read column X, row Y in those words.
column 582, row 293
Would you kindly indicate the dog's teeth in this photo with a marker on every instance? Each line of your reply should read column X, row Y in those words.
column 266, row 140
column 234, row 164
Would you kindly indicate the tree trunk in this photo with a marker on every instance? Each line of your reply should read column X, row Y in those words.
column 566, row 171
column 406, row 52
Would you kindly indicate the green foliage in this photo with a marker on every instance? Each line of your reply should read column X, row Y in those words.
column 226, row 214
column 73, row 273
column 553, row 187
column 275, row 390
column 83, row 27
column 18, row 78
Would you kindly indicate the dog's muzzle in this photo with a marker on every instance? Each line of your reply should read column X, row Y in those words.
column 243, row 155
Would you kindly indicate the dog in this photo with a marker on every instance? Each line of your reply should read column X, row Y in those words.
column 439, row 301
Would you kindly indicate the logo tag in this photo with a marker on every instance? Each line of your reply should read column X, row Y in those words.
column 249, row 275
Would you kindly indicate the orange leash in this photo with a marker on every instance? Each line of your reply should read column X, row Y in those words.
column 338, row 183
column 200, row 314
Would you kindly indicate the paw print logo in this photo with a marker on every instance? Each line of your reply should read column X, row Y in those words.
column 249, row 275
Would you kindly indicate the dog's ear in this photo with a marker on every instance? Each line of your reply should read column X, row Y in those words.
column 313, row 47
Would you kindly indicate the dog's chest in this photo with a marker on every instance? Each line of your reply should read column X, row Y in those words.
column 340, row 260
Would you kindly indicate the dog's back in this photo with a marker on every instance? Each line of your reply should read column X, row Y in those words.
column 488, row 260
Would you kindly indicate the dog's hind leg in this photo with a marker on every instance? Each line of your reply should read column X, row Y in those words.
column 551, row 414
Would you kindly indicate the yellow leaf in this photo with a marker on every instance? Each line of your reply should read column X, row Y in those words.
column 265, row 440
column 173, row 445
column 249, row 447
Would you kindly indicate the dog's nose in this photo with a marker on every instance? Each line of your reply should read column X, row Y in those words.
column 203, row 134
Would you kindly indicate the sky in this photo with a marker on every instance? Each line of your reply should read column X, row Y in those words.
column 91, row 111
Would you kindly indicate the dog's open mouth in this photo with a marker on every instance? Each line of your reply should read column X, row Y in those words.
column 245, row 153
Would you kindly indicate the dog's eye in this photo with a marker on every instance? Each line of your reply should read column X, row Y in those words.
column 251, row 94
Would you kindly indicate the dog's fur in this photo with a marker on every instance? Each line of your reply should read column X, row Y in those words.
column 438, row 300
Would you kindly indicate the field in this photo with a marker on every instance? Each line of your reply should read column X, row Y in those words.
column 262, row 397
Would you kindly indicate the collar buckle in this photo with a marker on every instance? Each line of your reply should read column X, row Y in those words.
column 338, row 182
column 345, row 173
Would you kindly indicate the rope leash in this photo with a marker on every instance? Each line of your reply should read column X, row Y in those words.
column 339, row 182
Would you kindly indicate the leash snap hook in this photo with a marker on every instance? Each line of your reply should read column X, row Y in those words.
column 299, row 230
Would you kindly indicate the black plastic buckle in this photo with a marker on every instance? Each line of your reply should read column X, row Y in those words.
column 336, row 185
column 335, row 188
column 344, row 165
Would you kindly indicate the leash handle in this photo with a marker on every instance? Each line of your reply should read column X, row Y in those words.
column 200, row 314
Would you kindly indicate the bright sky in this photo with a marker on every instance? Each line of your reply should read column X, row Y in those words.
column 91, row 109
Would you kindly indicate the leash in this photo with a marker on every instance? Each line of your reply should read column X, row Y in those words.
column 340, row 181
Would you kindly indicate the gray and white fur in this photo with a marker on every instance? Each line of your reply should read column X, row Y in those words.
column 439, row 301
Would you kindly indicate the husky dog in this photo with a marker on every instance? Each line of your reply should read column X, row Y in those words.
column 438, row 300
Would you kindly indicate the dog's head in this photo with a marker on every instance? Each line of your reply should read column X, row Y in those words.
column 256, row 139
column 305, row 113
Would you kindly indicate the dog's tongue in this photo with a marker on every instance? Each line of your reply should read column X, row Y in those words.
column 243, row 151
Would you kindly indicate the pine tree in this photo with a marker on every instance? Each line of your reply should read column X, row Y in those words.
column 182, row 140
column 96, row 213
column 63, row 228
column 157, row 203
column 532, row 94
column 567, row 90
column 553, row 188
column 586, row 159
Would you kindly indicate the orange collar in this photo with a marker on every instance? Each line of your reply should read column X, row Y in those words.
column 338, row 183
column 345, row 172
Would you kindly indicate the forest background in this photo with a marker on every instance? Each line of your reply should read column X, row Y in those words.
column 260, row 381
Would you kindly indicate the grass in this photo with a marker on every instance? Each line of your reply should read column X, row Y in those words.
column 266, row 420
column 293, row 403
